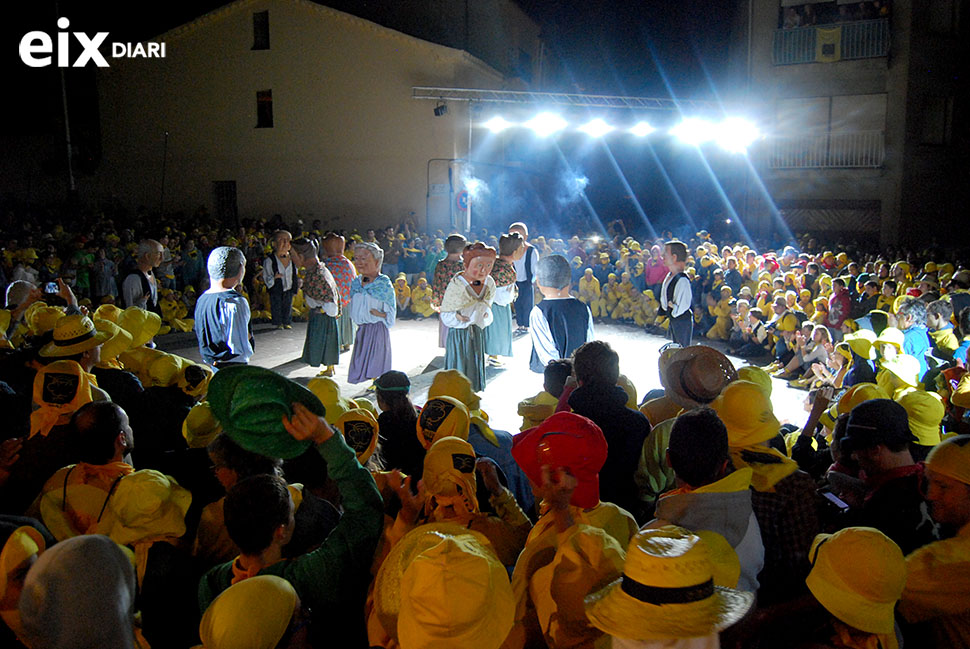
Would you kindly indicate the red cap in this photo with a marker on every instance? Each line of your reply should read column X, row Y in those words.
column 569, row 441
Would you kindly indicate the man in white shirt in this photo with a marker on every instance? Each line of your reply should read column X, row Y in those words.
column 279, row 275
column 675, row 293
column 140, row 287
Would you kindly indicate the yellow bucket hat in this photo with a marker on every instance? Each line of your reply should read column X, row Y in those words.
column 328, row 392
column 60, row 388
column 891, row 336
column 365, row 404
column 667, row 591
column 22, row 543
column 861, row 342
column 452, row 383
column 165, row 370
column 787, row 322
column 200, row 426
column 108, row 312
column 360, row 431
column 118, row 341
column 41, row 318
column 146, row 506
column 250, row 614
column 904, row 367
column 73, row 334
column 455, row 595
column 747, row 414
column 194, row 378
column 951, row 458
column 442, row 417
column 756, row 375
column 858, row 574
column 857, row 394
column 926, row 412
column 141, row 324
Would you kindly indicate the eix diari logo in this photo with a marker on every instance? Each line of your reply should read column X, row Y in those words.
column 36, row 48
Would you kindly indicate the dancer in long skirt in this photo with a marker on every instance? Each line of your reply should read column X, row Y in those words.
column 320, row 292
column 466, row 311
column 498, row 335
column 373, row 310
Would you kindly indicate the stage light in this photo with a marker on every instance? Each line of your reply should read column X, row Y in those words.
column 473, row 185
column 642, row 129
column 440, row 109
column 727, row 221
column 545, row 124
column 694, row 131
column 497, row 124
column 596, row 128
column 736, row 135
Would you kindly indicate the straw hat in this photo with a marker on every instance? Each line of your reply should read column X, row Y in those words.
column 360, row 431
column 696, row 375
column 858, row 574
column 73, row 334
column 667, row 591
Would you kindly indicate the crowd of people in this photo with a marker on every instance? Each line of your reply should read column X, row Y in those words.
column 149, row 500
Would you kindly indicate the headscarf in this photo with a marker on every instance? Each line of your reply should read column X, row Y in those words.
column 60, row 388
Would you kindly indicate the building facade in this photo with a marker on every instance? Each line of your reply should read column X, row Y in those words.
column 859, row 100
column 291, row 107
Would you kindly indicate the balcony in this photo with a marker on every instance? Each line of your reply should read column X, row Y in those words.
column 864, row 39
column 849, row 150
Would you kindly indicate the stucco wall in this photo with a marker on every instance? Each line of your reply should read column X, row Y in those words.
column 348, row 144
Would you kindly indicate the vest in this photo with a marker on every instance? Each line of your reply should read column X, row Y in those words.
column 671, row 287
column 146, row 286
column 568, row 321
column 278, row 286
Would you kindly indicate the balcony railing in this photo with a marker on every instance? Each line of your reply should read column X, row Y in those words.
column 864, row 39
column 851, row 150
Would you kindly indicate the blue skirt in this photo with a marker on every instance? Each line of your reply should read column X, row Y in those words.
column 498, row 335
column 465, row 352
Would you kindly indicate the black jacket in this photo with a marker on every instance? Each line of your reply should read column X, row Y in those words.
column 625, row 431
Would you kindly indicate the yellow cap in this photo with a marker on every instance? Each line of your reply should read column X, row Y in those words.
column 861, row 342
column 200, row 426
column 747, row 414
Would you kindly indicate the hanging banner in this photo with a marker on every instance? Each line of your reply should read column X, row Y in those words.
column 828, row 44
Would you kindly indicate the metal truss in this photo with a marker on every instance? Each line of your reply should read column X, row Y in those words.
column 560, row 99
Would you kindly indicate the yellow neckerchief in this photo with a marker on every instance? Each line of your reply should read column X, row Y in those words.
column 48, row 415
column 845, row 637
column 738, row 480
column 110, row 364
column 769, row 466
column 480, row 419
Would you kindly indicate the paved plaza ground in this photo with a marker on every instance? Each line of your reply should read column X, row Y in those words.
column 414, row 348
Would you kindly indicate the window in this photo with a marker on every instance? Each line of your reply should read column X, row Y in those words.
column 264, row 109
column 261, row 30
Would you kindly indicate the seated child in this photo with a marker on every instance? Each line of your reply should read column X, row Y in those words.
column 537, row 409
column 938, row 314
